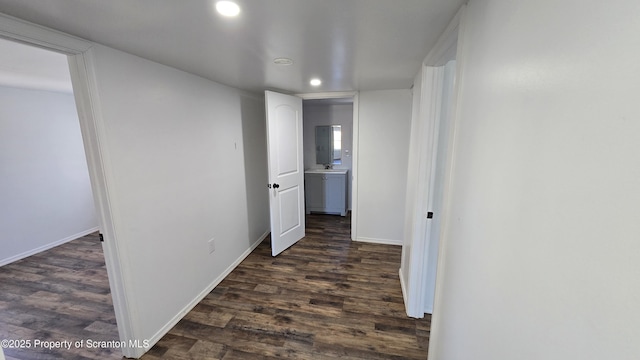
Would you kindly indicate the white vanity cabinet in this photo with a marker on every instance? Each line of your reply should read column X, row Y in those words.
column 326, row 191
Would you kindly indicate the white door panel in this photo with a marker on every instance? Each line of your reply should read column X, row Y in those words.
column 289, row 209
column 286, row 170
column 286, row 140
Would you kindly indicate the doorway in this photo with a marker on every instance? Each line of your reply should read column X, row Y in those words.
column 48, row 202
column 300, row 184
column 46, row 191
column 337, row 113
column 434, row 100
column 337, row 116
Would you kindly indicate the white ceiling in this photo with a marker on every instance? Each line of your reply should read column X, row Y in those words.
column 349, row 44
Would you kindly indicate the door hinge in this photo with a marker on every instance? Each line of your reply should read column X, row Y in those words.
column 430, row 215
column 101, row 237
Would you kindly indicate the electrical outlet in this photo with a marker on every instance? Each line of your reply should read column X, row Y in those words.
column 212, row 245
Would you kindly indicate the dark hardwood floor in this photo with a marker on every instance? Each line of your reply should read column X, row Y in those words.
column 324, row 298
column 57, row 295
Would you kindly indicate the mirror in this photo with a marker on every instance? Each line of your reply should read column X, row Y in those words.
column 329, row 145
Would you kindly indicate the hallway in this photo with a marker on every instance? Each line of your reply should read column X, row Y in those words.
column 325, row 298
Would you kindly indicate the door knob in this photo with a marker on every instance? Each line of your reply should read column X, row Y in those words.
column 275, row 186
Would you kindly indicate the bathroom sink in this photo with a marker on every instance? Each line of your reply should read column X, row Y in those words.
column 326, row 171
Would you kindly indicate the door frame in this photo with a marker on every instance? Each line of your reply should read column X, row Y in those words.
column 82, row 69
column 354, row 150
column 428, row 116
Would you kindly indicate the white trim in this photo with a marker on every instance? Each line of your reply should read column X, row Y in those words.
column 48, row 246
column 433, row 350
column 428, row 118
column 379, row 241
column 354, row 150
column 22, row 31
column 354, row 166
column 86, row 93
column 403, row 287
column 171, row 323
column 428, row 309
column 440, row 53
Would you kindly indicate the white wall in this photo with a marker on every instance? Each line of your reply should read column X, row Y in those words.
column 383, row 150
column 328, row 114
column 254, row 139
column 541, row 247
column 184, row 163
column 45, row 194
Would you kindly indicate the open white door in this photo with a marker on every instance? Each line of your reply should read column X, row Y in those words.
column 434, row 101
column 437, row 184
column 286, row 170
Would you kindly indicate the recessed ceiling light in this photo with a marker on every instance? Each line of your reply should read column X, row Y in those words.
column 228, row 8
column 315, row 82
column 282, row 61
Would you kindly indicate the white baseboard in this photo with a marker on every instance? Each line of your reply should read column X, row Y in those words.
column 379, row 241
column 48, row 246
column 165, row 329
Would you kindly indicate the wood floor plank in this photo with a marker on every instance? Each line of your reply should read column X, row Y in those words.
column 60, row 294
column 324, row 298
